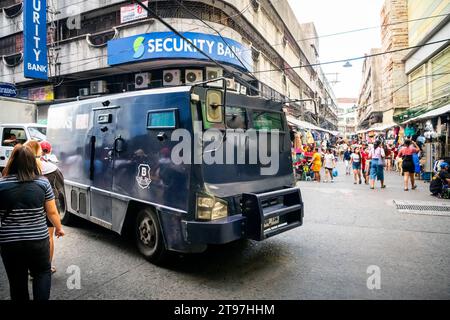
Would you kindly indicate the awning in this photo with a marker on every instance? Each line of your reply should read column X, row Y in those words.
column 430, row 114
column 307, row 125
column 378, row 127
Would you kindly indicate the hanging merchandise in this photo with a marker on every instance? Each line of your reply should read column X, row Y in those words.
column 401, row 134
column 410, row 131
column 309, row 138
column 396, row 131
column 297, row 141
column 439, row 127
column 429, row 131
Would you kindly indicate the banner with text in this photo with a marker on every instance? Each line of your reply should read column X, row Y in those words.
column 167, row 45
column 35, row 39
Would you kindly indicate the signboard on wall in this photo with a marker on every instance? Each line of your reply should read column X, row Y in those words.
column 167, row 45
column 133, row 12
column 41, row 93
column 35, row 39
column 7, row 90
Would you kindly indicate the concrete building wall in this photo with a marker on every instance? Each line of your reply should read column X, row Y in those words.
column 347, row 116
column 370, row 100
column 421, row 28
column 394, row 36
column 270, row 28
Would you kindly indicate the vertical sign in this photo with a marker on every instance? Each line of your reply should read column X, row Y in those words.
column 35, row 39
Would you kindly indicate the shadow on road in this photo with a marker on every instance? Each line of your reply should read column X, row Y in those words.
column 217, row 262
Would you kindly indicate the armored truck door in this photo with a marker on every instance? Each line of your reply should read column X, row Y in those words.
column 105, row 121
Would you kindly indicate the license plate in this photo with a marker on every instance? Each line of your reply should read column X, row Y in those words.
column 271, row 222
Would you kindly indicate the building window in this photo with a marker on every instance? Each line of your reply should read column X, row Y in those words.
column 418, row 86
column 93, row 25
column 255, row 5
column 440, row 71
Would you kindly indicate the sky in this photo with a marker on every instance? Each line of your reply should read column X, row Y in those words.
column 334, row 16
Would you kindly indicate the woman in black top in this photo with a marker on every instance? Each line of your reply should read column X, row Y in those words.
column 26, row 197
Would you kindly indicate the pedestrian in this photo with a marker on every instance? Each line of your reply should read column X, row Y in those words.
column 377, row 156
column 347, row 157
column 26, row 198
column 316, row 162
column 355, row 161
column 408, row 167
column 329, row 163
column 56, row 179
column 365, row 164
column 439, row 185
column 47, row 154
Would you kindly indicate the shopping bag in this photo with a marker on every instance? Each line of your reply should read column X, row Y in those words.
column 335, row 172
column 416, row 162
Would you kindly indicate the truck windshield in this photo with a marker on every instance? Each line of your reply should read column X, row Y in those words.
column 38, row 133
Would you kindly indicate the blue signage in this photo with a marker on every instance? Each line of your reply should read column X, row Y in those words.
column 7, row 90
column 167, row 45
column 35, row 39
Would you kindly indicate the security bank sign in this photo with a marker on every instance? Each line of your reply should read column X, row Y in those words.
column 167, row 45
column 35, row 39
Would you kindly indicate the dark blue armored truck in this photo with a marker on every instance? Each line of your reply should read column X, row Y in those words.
column 117, row 156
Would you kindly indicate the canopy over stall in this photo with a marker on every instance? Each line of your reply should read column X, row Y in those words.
column 307, row 125
column 430, row 114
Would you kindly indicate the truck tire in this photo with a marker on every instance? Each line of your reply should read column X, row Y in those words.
column 149, row 237
column 65, row 216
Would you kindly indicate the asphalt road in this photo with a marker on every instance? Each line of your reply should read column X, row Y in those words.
column 347, row 229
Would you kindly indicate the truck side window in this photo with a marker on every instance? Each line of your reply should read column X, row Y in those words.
column 266, row 120
column 236, row 118
column 13, row 136
column 162, row 119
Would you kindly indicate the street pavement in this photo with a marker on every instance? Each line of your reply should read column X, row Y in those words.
column 349, row 230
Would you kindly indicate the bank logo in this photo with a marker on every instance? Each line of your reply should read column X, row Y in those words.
column 143, row 176
column 138, row 47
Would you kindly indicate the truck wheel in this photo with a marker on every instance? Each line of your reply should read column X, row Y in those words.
column 149, row 238
column 65, row 216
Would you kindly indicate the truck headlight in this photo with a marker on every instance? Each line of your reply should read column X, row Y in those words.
column 211, row 208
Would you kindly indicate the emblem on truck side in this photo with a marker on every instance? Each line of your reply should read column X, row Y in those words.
column 143, row 176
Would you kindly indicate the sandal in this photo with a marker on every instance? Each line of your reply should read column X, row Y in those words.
column 412, row 188
column 406, row 189
column 383, row 186
column 53, row 269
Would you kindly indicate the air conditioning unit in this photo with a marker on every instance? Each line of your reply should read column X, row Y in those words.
column 193, row 76
column 83, row 92
column 142, row 80
column 243, row 90
column 171, row 77
column 98, row 87
column 237, row 87
column 214, row 73
column 231, row 84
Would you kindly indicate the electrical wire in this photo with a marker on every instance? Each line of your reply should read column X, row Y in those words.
column 356, row 58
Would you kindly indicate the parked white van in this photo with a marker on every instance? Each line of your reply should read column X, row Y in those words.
column 12, row 134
